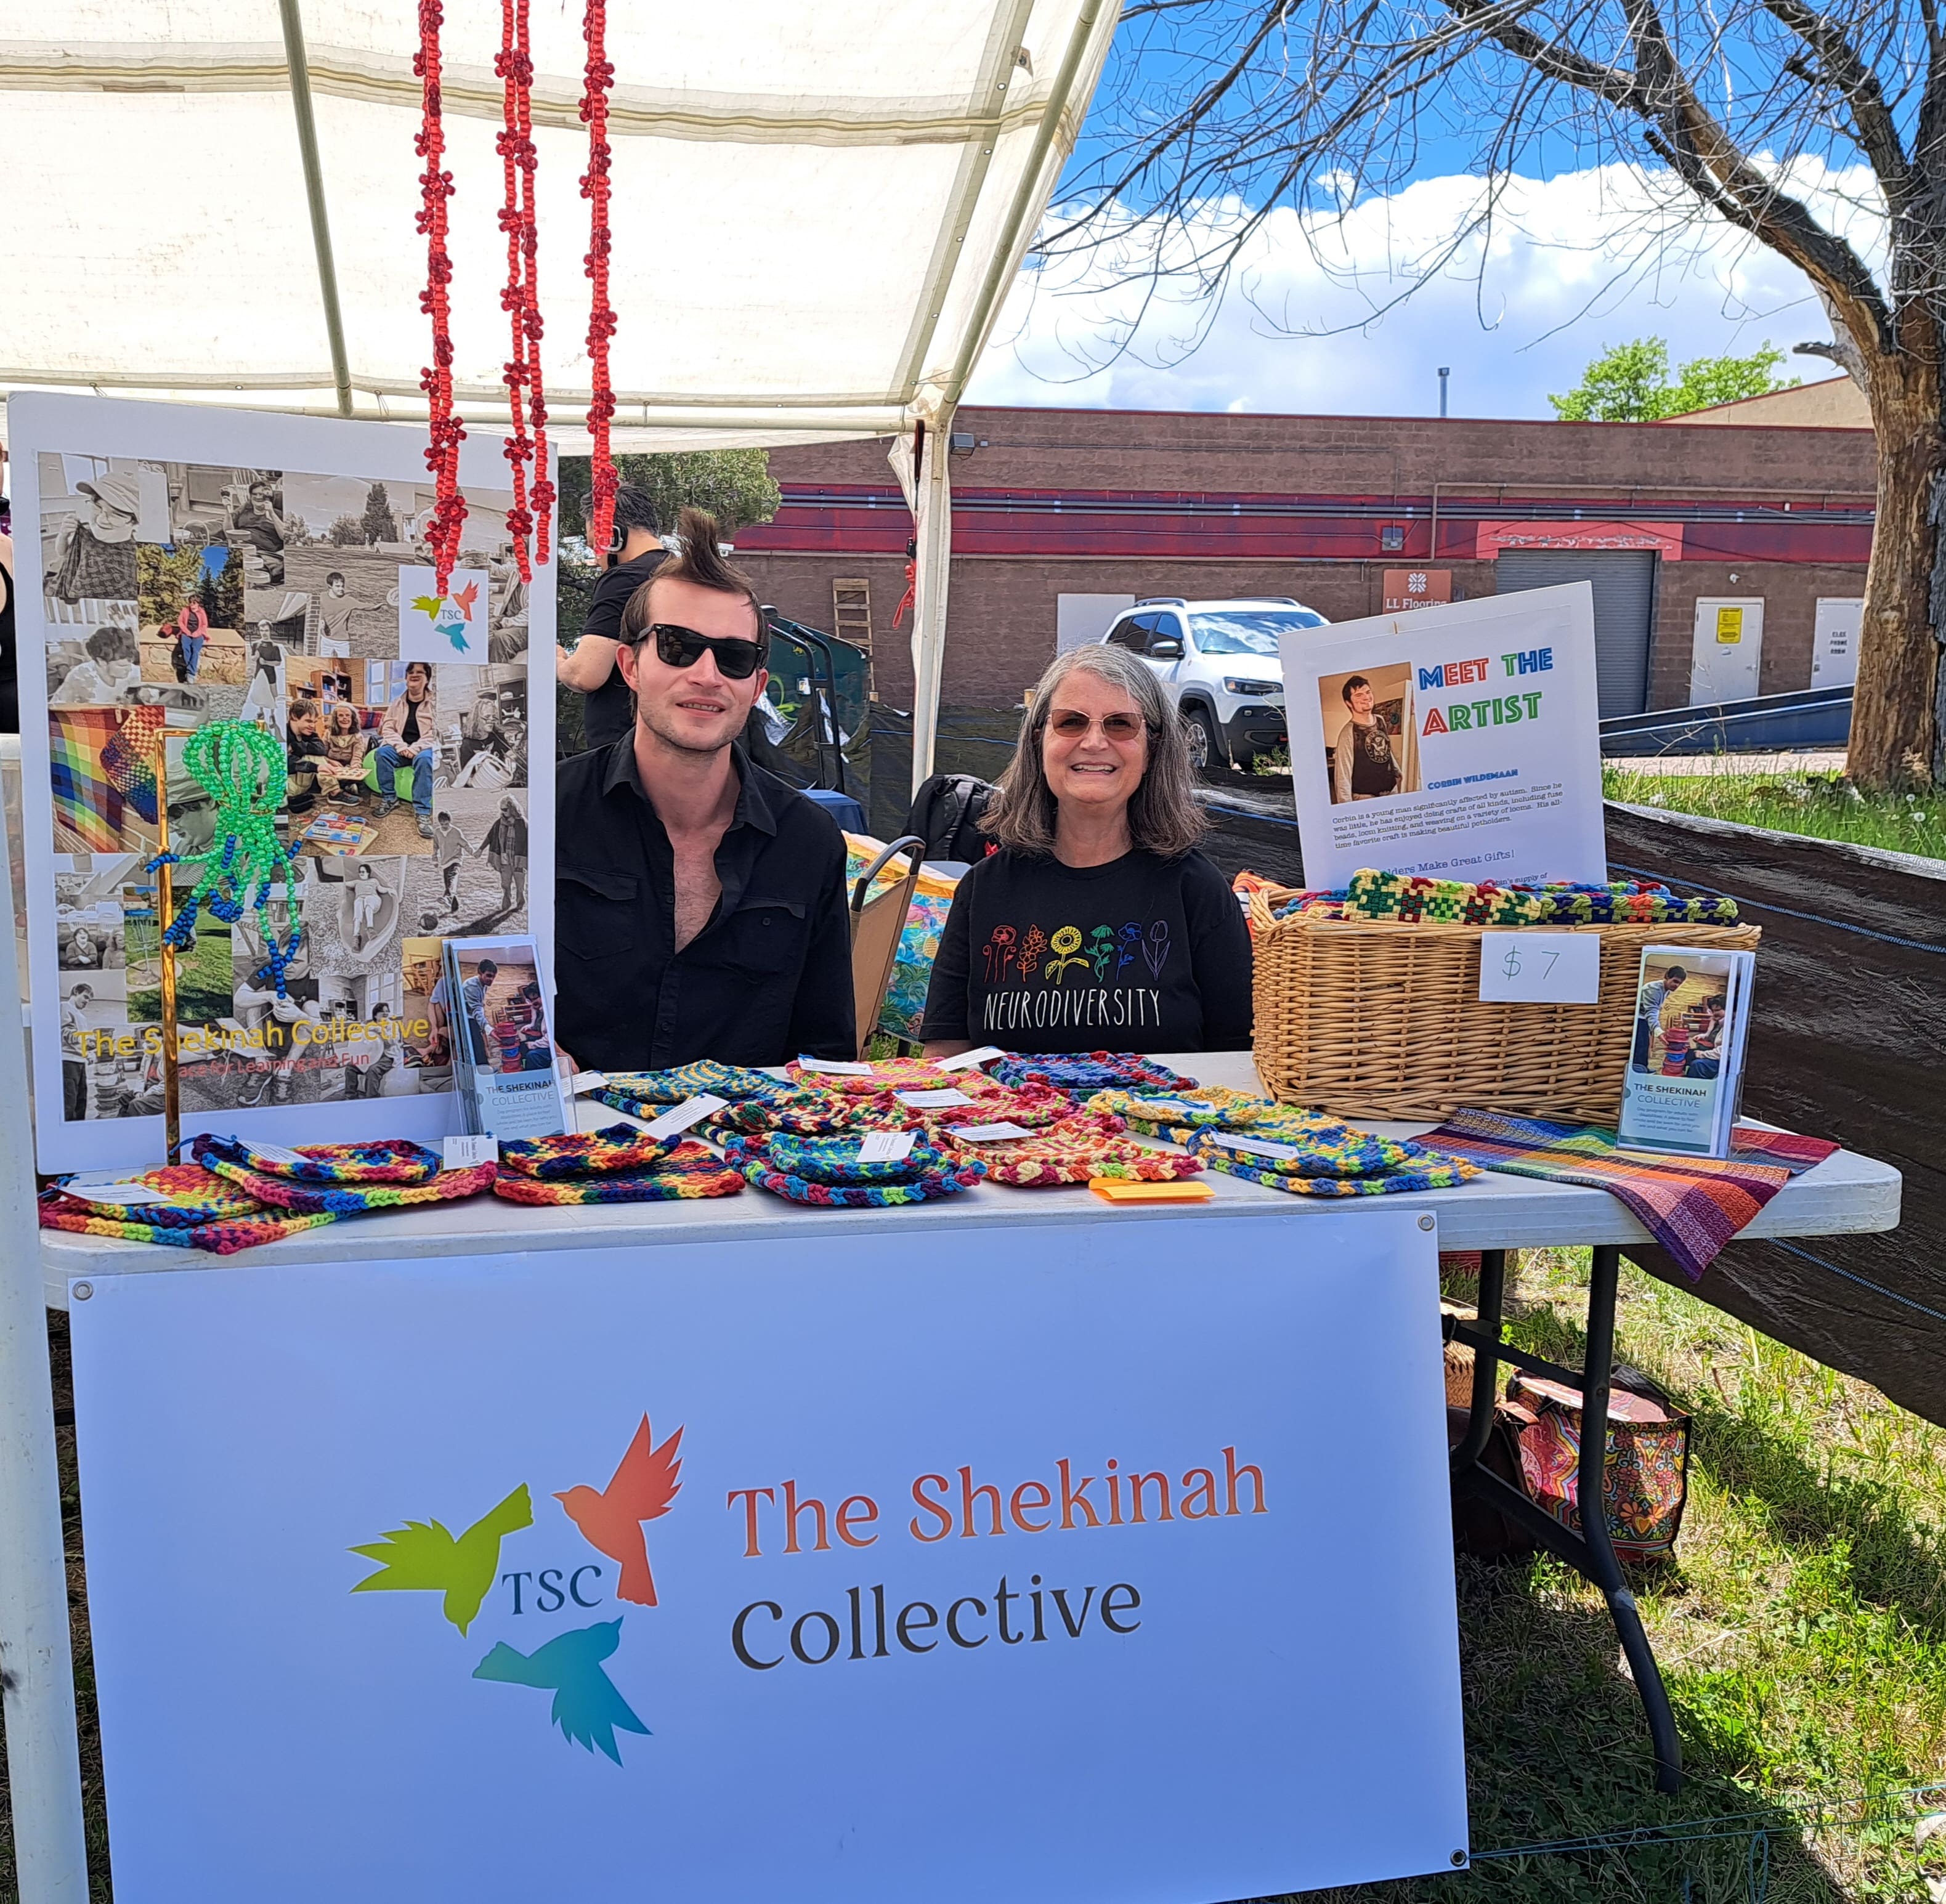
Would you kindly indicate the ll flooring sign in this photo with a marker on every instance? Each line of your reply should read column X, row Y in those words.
column 875, row 1568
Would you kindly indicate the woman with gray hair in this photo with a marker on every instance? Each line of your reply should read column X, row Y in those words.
column 1096, row 925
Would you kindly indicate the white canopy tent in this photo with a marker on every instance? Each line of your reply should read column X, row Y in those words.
column 817, row 212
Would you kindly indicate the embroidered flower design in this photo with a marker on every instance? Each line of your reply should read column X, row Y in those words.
column 1067, row 942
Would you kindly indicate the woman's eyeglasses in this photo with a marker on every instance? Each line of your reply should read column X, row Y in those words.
column 1071, row 725
column 681, row 647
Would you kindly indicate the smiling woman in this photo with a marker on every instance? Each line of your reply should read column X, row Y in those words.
column 1096, row 924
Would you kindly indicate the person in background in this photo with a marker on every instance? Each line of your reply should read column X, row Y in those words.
column 591, row 666
column 473, row 998
column 1362, row 765
column 83, row 954
column 334, row 611
column 700, row 902
column 305, row 755
column 345, row 741
column 111, row 669
column 1649, row 1002
column 1098, row 925
column 261, row 524
column 449, row 848
column 408, row 738
column 94, row 560
column 74, row 1052
column 506, row 847
column 261, row 703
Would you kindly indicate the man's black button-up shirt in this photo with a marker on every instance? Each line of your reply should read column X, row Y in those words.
column 768, row 978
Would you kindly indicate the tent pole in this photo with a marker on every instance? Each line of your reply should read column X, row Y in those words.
column 299, row 64
column 37, row 1666
column 932, row 568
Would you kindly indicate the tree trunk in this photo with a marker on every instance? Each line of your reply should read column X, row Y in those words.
column 1896, row 727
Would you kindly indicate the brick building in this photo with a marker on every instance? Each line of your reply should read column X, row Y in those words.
column 1724, row 559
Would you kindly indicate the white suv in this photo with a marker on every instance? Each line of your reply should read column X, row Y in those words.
column 1218, row 662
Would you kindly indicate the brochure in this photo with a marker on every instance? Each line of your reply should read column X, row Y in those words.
column 1684, row 1079
column 504, row 1061
column 1453, row 742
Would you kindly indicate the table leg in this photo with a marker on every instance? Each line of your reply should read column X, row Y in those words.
column 1486, row 1362
column 1601, row 1567
column 1590, row 1553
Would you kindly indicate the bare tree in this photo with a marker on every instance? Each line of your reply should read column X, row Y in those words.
column 1757, row 112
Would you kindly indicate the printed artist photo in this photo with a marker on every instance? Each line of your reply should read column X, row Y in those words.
column 1370, row 752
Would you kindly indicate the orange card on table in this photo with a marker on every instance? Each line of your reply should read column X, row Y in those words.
column 1117, row 1189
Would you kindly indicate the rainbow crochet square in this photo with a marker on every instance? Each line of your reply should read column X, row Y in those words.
column 752, row 1157
column 615, row 1150
column 646, row 1093
column 387, row 1161
column 685, row 1170
column 101, row 768
column 1075, row 1151
column 1077, row 1071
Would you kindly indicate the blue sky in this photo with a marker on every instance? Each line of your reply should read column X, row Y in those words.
column 1586, row 257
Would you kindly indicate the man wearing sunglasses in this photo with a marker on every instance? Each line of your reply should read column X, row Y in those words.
column 699, row 902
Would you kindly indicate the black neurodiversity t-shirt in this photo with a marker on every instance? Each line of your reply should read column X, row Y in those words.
column 1141, row 954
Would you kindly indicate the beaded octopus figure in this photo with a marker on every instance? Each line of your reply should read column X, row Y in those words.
column 242, row 768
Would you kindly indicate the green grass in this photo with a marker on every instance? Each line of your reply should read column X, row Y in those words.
column 1824, row 806
column 1801, row 1629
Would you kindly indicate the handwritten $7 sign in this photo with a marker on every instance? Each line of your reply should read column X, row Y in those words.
column 1540, row 968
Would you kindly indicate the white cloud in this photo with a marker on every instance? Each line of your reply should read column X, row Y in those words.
column 1310, row 322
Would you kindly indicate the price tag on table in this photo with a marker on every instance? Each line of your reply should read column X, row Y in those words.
column 123, row 1195
column 1540, row 968
column 583, row 1082
column 836, row 1068
column 884, row 1146
column 679, row 1117
column 467, row 1152
column 932, row 1100
column 275, row 1153
column 982, row 1054
column 1257, row 1146
column 988, row 1133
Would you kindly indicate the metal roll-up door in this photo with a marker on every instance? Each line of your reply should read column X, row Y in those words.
column 1624, row 581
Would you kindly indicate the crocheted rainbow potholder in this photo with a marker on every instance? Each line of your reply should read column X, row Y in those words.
column 1214, row 1107
column 246, row 1222
column 1077, row 1071
column 356, row 1199
column 835, row 1161
column 891, row 1074
column 687, row 1169
column 750, row 1156
column 615, row 1150
column 196, row 1195
column 1076, row 1151
column 1323, row 1170
column 813, row 1113
column 646, row 1093
column 391, row 1161
column 1408, row 900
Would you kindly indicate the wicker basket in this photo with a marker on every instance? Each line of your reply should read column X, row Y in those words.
column 1385, row 1020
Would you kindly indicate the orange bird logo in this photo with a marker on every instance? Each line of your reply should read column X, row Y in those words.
column 641, row 1490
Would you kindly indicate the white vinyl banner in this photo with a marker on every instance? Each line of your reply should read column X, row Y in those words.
column 1458, row 741
column 1099, row 1565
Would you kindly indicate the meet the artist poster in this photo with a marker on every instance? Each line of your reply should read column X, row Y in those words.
column 194, row 566
column 1453, row 742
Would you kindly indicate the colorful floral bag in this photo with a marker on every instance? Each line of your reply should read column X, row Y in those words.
column 1646, row 1478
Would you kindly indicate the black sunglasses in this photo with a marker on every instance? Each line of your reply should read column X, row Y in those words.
column 681, row 647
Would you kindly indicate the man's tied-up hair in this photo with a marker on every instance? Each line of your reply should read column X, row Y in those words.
column 700, row 561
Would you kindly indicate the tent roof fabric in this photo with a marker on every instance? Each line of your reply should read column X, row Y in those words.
column 817, row 211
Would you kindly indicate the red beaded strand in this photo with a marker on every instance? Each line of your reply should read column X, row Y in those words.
column 449, row 515
column 601, row 316
column 520, row 299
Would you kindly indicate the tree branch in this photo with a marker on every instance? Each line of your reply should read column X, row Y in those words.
column 1857, row 84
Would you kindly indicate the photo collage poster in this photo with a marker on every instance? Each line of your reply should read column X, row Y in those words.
column 194, row 566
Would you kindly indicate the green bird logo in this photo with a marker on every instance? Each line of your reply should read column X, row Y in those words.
column 422, row 1556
